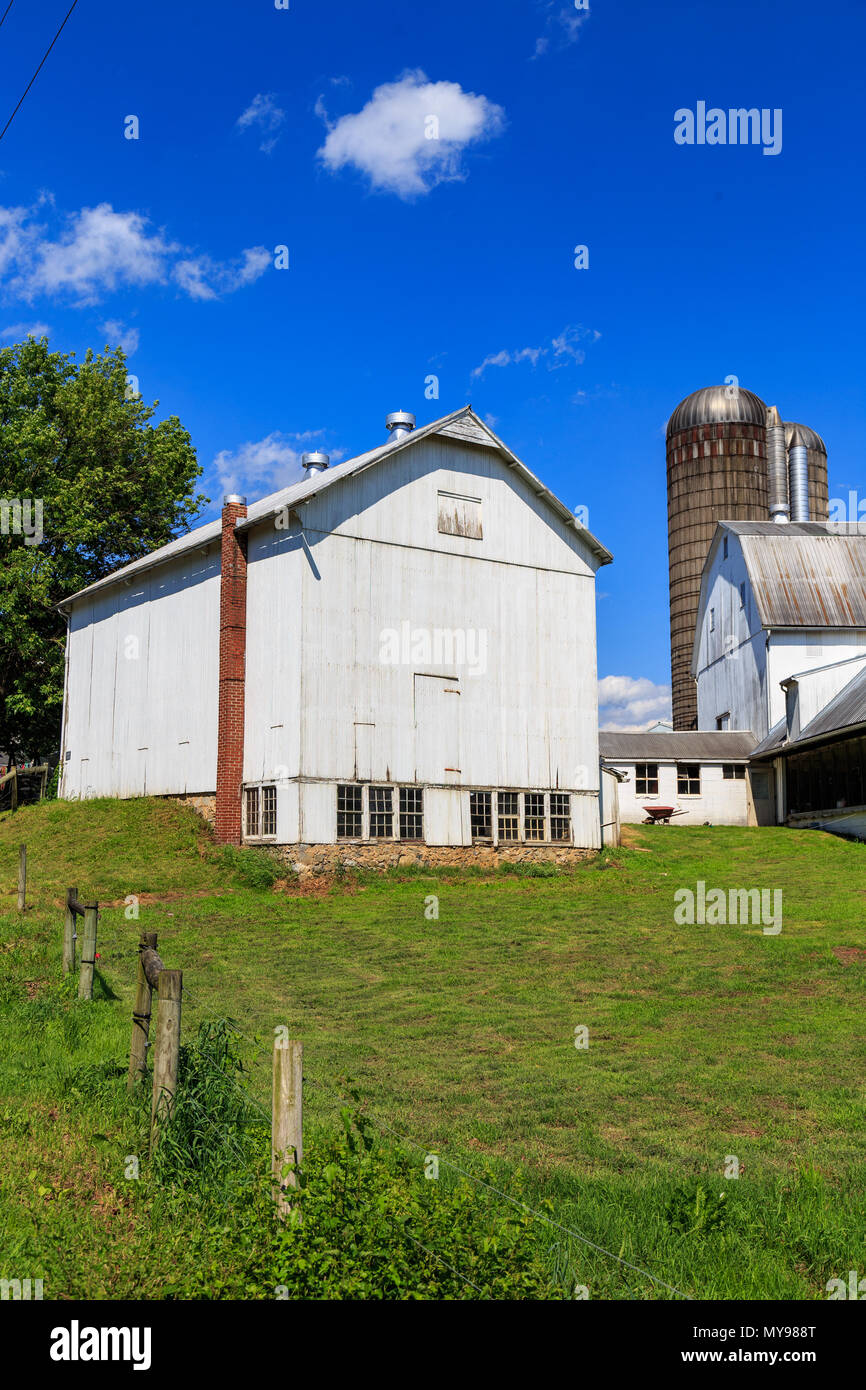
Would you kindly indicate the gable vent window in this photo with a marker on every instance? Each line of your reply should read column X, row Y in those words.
column 411, row 813
column 533, row 815
column 348, row 813
column 508, row 816
column 481, row 815
column 560, row 816
column 381, row 813
column 460, row 516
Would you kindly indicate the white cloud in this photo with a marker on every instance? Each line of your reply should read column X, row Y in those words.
column 98, row 251
column 19, row 331
column 562, row 26
column 264, row 113
column 628, row 703
column 411, row 134
column 266, row 465
column 126, row 338
column 561, row 350
column 203, row 278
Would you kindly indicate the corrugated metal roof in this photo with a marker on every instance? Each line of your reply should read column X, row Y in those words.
column 846, row 710
column 684, row 746
column 716, row 405
column 805, row 573
column 301, row 492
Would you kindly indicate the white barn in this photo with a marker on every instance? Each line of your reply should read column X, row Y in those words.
column 776, row 601
column 400, row 648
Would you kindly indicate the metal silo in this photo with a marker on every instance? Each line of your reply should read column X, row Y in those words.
column 716, row 471
column 816, row 454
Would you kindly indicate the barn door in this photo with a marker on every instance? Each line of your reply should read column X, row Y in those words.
column 437, row 728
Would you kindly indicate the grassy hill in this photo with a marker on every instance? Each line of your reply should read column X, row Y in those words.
column 458, row 1030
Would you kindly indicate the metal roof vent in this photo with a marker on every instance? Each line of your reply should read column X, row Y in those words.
column 399, row 423
column 314, row 463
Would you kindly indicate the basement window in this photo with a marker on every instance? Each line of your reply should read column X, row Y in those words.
column 381, row 813
column 348, row 813
column 411, row 813
column 533, row 816
column 688, row 779
column 481, row 815
column 508, row 816
column 269, row 811
column 734, row 772
column 560, row 816
column 646, row 779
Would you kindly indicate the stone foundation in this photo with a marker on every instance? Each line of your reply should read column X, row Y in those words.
column 204, row 803
column 325, row 859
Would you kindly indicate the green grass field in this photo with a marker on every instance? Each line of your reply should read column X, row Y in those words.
column 459, row 1031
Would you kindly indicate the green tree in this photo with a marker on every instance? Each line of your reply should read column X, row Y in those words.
column 111, row 487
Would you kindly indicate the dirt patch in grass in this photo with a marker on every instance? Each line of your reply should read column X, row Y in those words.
column 848, row 955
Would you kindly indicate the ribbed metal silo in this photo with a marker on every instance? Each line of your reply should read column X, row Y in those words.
column 816, row 453
column 716, row 471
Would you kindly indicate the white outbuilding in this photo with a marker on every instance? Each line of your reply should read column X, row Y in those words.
column 399, row 649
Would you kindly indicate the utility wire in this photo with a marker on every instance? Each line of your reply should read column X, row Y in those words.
column 5, row 12
column 41, row 65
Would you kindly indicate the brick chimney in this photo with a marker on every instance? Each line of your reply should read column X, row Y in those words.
column 233, row 646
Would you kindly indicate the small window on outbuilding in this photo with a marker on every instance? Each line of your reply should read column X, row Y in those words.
column 734, row 772
column 725, row 548
column 252, row 813
column 688, row 779
column 646, row 779
column 723, row 721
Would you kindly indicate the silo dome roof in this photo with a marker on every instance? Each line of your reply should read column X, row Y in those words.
column 809, row 437
column 713, row 405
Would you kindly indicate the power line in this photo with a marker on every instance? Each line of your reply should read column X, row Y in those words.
column 41, row 65
column 5, row 12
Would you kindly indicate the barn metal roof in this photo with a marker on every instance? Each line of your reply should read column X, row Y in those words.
column 802, row 573
column 846, row 710
column 686, row 746
column 461, row 424
column 811, row 438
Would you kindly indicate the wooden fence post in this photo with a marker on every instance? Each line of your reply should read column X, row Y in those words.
column 69, row 931
column 22, row 877
column 14, row 790
column 167, row 1048
column 88, row 953
column 287, row 1123
column 141, row 1013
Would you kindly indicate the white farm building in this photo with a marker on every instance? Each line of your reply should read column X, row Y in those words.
column 399, row 648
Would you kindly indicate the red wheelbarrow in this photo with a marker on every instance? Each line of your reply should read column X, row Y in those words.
column 661, row 815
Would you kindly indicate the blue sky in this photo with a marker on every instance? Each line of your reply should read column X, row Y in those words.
column 410, row 256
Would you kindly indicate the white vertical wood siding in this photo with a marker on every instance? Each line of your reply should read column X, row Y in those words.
column 142, row 684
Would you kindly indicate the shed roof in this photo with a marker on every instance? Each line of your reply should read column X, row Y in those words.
column 847, row 710
column 463, row 425
column 685, row 745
